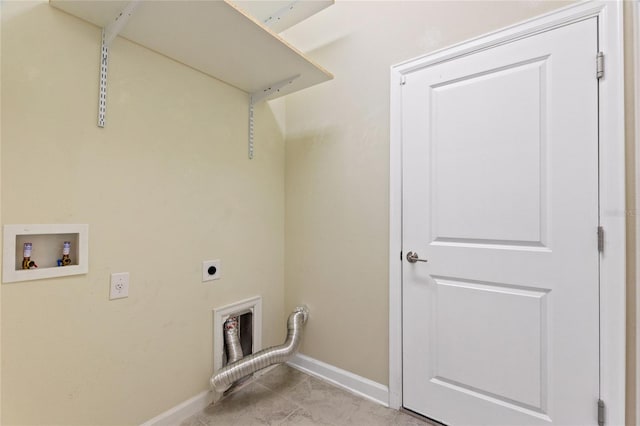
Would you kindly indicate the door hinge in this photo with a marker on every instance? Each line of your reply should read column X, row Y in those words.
column 599, row 65
column 600, row 412
column 600, row 239
column 403, row 80
column 400, row 255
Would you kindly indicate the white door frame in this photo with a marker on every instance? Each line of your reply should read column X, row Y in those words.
column 611, row 180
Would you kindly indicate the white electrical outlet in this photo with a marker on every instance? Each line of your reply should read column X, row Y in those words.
column 119, row 285
column 211, row 270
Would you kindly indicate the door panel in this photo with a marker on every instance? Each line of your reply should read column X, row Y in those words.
column 504, row 202
column 466, row 311
column 500, row 195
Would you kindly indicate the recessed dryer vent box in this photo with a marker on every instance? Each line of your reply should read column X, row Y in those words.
column 252, row 306
column 47, row 244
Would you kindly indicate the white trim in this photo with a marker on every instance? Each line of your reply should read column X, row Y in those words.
column 351, row 382
column 612, row 215
column 395, row 245
column 560, row 17
column 612, row 187
column 221, row 314
column 179, row 413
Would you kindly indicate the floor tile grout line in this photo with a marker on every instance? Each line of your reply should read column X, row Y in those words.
column 290, row 414
column 283, row 393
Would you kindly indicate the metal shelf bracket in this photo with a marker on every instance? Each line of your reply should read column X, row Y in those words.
column 109, row 33
column 261, row 95
column 280, row 13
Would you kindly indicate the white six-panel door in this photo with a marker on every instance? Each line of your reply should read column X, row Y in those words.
column 500, row 196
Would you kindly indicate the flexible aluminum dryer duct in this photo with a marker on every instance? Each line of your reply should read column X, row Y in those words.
column 231, row 373
column 232, row 340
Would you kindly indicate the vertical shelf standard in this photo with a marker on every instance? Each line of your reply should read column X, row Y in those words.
column 214, row 37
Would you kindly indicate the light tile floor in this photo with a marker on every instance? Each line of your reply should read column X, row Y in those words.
column 285, row 396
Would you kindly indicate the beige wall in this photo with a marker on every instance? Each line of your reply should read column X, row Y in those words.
column 337, row 164
column 337, row 169
column 173, row 156
column 630, row 127
column 166, row 185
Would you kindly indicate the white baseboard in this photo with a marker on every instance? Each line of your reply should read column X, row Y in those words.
column 351, row 382
column 176, row 415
